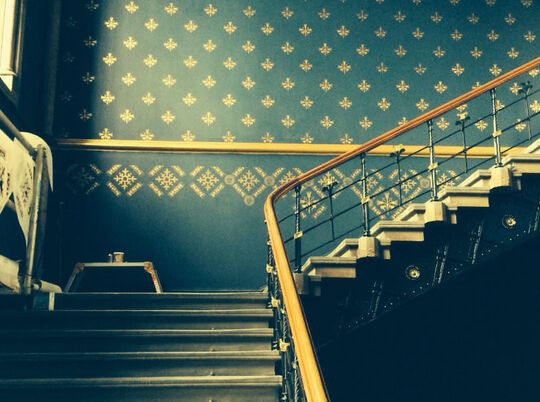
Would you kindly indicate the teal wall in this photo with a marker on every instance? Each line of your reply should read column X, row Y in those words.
column 389, row 60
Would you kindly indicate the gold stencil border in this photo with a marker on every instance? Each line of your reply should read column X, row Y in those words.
column 76, row 144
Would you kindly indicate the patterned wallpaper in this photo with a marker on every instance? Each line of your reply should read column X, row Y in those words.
column 311, row 71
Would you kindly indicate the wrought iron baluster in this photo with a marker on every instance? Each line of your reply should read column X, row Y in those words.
column 365, row 198
column 398, row 150
column 329, row 188
column 461, row 122
column 297, row 232
column 525, row 90
column 432, row 164
column 496, row 132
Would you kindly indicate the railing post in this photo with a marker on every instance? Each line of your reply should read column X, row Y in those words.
column 496, row 132
column 297, row 232
column 432, row 164
column 461, row 122
column 525, row 89
column 397, row 154
column 365, row 198
column 329, row 188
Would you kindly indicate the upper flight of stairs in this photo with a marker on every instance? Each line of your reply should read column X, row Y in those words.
column 141, row 347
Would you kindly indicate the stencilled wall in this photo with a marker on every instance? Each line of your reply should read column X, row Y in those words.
column 247, row 71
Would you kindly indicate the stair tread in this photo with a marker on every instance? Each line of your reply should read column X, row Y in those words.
column 170, row 295
column 131, row 312
column 139, row 332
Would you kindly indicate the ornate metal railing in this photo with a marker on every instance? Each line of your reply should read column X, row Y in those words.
column 347, row 195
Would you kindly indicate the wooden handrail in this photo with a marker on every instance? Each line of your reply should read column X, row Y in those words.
column 312, row 381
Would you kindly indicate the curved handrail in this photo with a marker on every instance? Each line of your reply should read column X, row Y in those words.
column 312, row 381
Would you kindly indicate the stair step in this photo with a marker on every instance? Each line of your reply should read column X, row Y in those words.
column 131, row 364
column 137, row 319
column 135, row 340
column 215, row 388
column 167, row 301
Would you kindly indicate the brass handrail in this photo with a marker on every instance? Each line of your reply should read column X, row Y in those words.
column 312, row 380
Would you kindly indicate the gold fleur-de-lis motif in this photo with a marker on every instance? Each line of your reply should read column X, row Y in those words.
column 170, row 44
column 109, row 59
column 248, row 47
column 442, row 123
column 126, row 116
column 364, row 86
column 228, row 100
column 436, row 18
column 473, row 18
column 400, row 51
column 306, row 65
column 188, row 136
column 287, row 48
column 190, row 62
column 306, row 102
column 228, row 137
column 267, row 138
column 439, row 52
column 305, row 30
column 209, row 46
column 323, row 14
column 89, row 42
column 287, row 121
column 306, row 139
column 495, row 70
column 344, row 67
column 85, row 115
column 476, row 53
column 92, row 5
column 380, row 32
column 400, row 17
column 146, row 135
column 229, row 27
column 151, row 24
column 458, row 69
column 417, row 33
column 209, row 82
column 440, row 87
column 327, row 122
column 168, row 117
column 128, row 79
column 345, row 103
column 229, row 63
column 326, row 85
column 148, row 99
column 510, row 19
column 456, row 35
column 248, row 83
column 383, row 104
column 150, row 61
column 210, row 10
column 365, row 123
column 363, row 50
column 267, row 101
column 343, row 31
column 169, row 81
column 287, row 12
column 325, row 49
column 105, row 134
column 107, row 97
column 130, row 43
column 111, row 23
column 191, row 26
column 208, row 118
column 422, row 104
column 362, row 15
column 420, row 69
column 171, row 9
column 492, row 36
column 189, row 99
column 402, row 121
column 249, row 12
column 514, row 88
column 287, row 84
column 131, row 7
column 491, row 3
column 346, row 139
column 267, row 29
column 526, row 3
column 513, row 53
column 382, row 68
column 534, row 72
column 267, row 64
column 481, row 125
column 248, row 120
column 535, row 106
column 402, row 86
column 529, row 36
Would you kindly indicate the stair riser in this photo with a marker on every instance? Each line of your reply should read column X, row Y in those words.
column 133, row 368
column 157, row 393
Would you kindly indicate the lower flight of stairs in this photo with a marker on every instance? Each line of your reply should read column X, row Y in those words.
column 141, row 347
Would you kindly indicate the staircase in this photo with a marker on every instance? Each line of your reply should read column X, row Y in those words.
column 141, row 347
